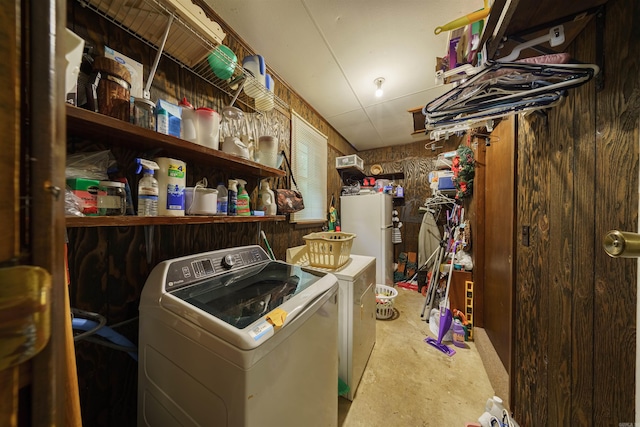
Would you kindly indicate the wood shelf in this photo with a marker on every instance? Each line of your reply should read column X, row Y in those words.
column 133, row 221
column 111, row 131
column 527, row 19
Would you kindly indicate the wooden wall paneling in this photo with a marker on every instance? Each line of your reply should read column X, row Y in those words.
column 616, row 206
column 579, row 117
column 562, row 183
column 498, row 251
column 529, row 383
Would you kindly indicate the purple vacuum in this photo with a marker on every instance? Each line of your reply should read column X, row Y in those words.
column 445, row 315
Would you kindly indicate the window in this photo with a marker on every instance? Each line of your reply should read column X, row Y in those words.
column 309, row 164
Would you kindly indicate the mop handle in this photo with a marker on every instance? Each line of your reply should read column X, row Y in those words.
column 455, row 248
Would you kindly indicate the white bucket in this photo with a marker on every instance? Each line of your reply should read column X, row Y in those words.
column 202, row 201
column 172, row 179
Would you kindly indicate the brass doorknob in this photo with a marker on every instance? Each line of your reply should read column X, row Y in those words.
column 622, row 244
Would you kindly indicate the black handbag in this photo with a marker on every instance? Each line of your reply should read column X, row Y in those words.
column 289, row 200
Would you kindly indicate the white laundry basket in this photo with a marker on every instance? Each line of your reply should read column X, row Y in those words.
column 384, row 301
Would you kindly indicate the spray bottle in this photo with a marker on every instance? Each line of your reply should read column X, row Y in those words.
column 232, row 202
column 243, row 208
column 147, row 188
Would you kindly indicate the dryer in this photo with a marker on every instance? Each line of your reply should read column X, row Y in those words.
column 356, row 313
column 232, row 338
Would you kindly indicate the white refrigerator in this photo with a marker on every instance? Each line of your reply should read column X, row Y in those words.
column 369, row 217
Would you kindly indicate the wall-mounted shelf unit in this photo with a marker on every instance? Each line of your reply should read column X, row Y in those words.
column 112, row 131
column 189, row 40
column 520, row 20
column 130, row 221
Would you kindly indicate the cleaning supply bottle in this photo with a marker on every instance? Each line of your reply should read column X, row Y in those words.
column 266, row 198
column 243, row 208
column 232, row 202
column 147, row 188
column 223, row 198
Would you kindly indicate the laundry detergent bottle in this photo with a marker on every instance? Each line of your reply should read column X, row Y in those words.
column 242, row 203
column 232, row 202
column 266, row 198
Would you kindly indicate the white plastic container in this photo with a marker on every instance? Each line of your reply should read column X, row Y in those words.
column 200, row 201
column 254, row 86
column 265, row 101
column 188, row 130
column 350, row 161
column 267, row 153
column 172, row 178
column 266, row 199
column 208, row 127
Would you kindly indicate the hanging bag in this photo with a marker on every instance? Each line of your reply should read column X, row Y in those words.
column 288, row 199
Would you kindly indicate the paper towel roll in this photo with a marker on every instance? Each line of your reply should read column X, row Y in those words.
column 172, row 179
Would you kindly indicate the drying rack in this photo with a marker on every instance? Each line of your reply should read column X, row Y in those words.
column 179, row 30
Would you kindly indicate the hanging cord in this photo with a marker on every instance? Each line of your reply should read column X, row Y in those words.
column 98, row 319
column 109, row 337
column 200, row 184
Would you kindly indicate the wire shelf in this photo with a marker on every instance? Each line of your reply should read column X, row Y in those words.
column 147, row 20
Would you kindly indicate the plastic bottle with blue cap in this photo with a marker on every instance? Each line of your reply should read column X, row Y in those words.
column 147, row 188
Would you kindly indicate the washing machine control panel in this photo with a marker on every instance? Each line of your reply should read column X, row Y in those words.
column 184, row 271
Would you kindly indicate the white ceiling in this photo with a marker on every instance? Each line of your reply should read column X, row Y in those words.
column 331, row 51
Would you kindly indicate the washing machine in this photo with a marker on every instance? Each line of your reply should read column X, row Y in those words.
column 356, row 313
column 232, row 338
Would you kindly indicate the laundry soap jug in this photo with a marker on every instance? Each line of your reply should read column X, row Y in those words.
column 242, row 204
column 266, row 198
column 232, row 194
column 223, row 199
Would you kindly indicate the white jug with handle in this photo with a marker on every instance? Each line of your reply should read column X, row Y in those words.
column 494, row 406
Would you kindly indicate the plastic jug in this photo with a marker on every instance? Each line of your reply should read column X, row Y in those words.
column 494, row 406
column 255, row 83
column 267, row 153
column 266, row 198
column 208, row 127
column 188, row 130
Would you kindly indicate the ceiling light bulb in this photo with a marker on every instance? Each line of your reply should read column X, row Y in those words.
column 378, row 82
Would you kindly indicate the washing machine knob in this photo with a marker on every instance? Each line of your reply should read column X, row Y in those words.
column 228, row 261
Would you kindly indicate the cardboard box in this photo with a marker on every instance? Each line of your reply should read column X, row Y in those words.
column 134, row 67
column 174, row 120
column 88, row 190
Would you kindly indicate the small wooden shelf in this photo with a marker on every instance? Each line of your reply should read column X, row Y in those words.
column 133, row 221
column 100, row 128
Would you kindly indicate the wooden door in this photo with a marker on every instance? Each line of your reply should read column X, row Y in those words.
column 499, row 237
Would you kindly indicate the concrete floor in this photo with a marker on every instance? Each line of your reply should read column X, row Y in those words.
column 409, row 383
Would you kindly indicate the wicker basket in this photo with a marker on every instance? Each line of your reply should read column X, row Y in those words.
column 329, row 249
column 384, row 301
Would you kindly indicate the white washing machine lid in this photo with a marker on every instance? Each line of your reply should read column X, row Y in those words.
column 240, row 298
column 234, row 293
